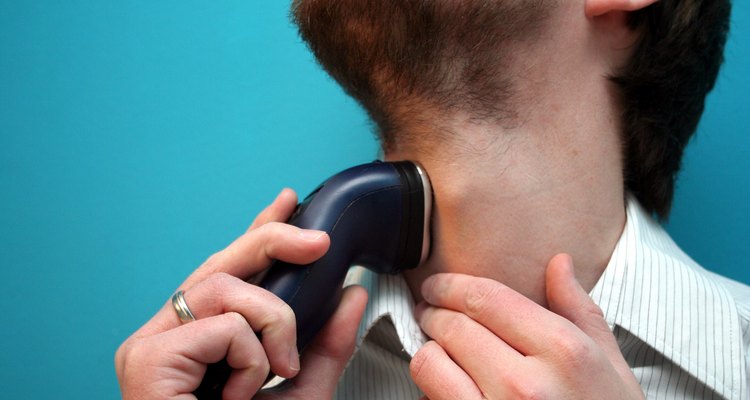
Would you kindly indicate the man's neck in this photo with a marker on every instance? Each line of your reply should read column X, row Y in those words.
column 506, row 200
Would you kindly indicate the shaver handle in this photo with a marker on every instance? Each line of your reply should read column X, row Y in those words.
column 217, row 374
column 312, row 291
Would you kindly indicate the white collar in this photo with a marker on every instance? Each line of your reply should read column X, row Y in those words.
column 652, row 289
column 389, row 297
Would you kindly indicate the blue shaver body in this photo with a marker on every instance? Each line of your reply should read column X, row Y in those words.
column 377, row 216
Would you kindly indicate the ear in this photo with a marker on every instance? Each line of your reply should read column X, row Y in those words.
column 596, row 8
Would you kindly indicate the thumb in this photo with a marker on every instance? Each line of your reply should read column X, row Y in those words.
column 327, row 356
column 567, row 298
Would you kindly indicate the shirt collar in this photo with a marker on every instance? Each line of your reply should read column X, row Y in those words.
column 389, row 298
column 652, row 289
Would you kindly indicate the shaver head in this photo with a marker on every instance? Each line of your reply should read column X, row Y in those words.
column 377, row 213
column 427, row 214
column 415, row 221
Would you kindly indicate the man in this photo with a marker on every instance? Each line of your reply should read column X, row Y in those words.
column 551, row 131
column 546, row 127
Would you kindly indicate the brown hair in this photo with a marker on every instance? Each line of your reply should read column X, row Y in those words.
column 408, row 62
column 663, row 90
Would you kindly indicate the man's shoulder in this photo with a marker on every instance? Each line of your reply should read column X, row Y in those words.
column 657, row 251
column 655, row 291
column 739, row 292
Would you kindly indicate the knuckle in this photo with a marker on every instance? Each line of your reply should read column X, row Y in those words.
column 264, row 367
column 270, row 235
column 419, row 364
column 526, row 390
column 235, row 322
column 271, row 229
column 572, row 350
column 220, row 280
column 134, row 354
column 258, row 366
column 590, row 308
column 481, row 297
column 285, row 314
column 121, row 356
column 217, row 286
column 280, row 317
column 455, row 326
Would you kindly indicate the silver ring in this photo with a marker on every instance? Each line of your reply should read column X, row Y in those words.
column 181, row 307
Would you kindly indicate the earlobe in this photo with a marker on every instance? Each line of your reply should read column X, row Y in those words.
column 596, row 8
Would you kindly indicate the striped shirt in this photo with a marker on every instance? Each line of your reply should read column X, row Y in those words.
column 683, row 330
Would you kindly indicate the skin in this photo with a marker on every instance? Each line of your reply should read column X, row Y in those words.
column 166, row 359
column 519, row 350
column 508, row 315
column 550, row 183
column 507, row 322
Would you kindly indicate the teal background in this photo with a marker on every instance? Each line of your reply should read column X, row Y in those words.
column 139, row 137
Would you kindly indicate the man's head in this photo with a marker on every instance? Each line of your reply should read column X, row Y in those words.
column 416, row 64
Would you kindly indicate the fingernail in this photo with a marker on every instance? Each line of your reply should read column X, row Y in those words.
column 311, row 235
column 293, row 359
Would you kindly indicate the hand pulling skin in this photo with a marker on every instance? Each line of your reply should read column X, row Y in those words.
column 377, row 215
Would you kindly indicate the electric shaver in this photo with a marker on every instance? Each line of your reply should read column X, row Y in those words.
column 377, row 216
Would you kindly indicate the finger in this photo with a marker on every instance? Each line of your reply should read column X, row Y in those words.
column 438, row 376
column 278, row 211
column 222, row 293
column 254, row 251
column 567, row 298
column 230, row 259
column 324, row 360
column 458, row 335
column 185, row 351
column 521, row 323
column 265, row 312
